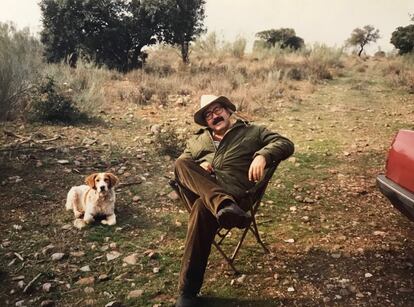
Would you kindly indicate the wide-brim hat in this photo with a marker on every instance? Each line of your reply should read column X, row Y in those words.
column 206, row 101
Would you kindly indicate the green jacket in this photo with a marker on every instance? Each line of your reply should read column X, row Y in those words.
column 232, row 159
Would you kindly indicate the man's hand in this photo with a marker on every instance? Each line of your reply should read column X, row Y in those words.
column 257, row 167
column 207, row 166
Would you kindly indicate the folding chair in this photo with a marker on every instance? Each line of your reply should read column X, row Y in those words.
column 256, row 193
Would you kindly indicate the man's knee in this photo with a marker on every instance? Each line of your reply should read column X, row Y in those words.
column 182, row 163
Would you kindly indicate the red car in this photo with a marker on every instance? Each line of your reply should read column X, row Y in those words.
column 398, row 182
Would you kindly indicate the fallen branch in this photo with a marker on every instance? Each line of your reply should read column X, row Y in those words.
column 18, row 256
column 57, row 137
column 9, row 133
column 26, row 139
column 31, row 282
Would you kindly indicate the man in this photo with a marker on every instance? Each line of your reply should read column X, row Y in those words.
column 220, row 162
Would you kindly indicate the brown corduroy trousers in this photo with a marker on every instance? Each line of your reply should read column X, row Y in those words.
column 204, row 196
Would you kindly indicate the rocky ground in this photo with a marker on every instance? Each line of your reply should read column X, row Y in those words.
column 333, row 238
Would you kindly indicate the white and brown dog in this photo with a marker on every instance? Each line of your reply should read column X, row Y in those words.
column 95, row 198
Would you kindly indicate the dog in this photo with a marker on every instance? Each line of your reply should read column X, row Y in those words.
column 95, row 198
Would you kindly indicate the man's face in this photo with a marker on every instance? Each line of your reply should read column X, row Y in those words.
column 217, row 118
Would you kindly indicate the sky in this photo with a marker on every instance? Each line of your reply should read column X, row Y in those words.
column 324, row 21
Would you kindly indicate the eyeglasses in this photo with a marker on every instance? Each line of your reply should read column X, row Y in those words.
column 209, row 114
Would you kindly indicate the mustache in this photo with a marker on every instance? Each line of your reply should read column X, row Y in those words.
column 217, row 120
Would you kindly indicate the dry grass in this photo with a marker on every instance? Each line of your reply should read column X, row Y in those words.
column 400, row 71
column 85, row 84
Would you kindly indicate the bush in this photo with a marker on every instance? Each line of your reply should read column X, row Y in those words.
column 169, row 142
column 401, row 71
column 238, row 47
column 321, row 60
column 85, row 83
column 20, row 60
column 51, row 105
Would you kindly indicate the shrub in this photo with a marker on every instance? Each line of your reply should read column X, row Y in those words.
column 169, row 142
column 321, row 59
column 85, row 83
column 401, row 72
column 20, row 60
column 238, row 47
column 51, row 105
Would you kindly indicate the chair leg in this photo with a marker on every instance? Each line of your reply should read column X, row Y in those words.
column 236, row 250
column 222, row 236
column 255, row 231
column 228, row 260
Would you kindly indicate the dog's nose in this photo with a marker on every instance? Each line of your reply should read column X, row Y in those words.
column 102, row 188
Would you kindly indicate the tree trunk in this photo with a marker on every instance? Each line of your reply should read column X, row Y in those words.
column 184, row 51
column 360, row 51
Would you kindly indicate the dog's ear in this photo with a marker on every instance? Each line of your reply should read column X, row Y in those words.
column 113, row 180
column 90, row 180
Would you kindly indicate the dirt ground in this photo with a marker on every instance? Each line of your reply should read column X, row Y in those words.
column 334, row 240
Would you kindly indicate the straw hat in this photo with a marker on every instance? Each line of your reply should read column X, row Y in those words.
column 206, row 101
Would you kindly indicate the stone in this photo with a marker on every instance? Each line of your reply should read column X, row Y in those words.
column 173, row 195
column 112, row 255
column 131, row 259
column 89, row 290
column 103, row 277
column 241, row 279
column 135, row 294
column 86, row 281
column 47, row 303
column 46, row 287
column 85, row 268
column 308, row 200
column 57, row 256
column 77, row 254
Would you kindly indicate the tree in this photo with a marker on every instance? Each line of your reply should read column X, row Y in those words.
column 109, row 32
column 184, row 23
column 362, row 37
column 114, row 32
column 403, row 39
column 62, row 28
column 285, row 37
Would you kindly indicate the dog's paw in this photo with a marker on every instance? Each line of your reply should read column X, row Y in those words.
column 79, row 223
column 78, row 214
column 108, row 222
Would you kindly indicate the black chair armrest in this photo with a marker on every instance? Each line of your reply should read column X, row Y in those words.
column 262, row 183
